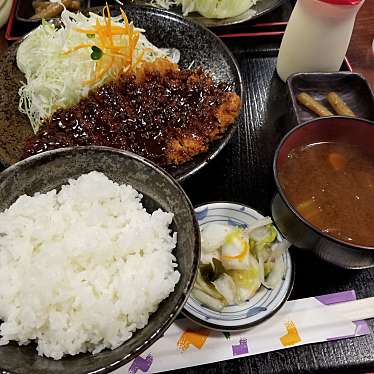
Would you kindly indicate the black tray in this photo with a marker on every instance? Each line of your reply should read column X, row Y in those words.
column 242, row 173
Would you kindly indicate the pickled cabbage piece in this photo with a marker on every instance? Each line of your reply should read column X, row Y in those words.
column 246, row 259
column 235, row 250
column 274, row 266
column 207, row 300
column 212, row 280
column 277, row 272
column 264, row 235
column 258, row 224
column 206, row 287
column 225, row 285
column 210, row 272
column 279, row 248
column 213, row 236
column 222, row 8
column 248, row 280
column 268, row 267
column 207, row 258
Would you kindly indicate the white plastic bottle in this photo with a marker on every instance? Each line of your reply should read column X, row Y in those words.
column 317, row 36
column 5, row 8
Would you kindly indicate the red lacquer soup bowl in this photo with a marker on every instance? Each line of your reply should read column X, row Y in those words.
column 291, row 223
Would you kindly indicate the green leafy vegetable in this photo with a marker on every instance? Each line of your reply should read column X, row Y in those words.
column 211, row 272
column 97, row 53
column 218, row 267
column 206, row 287
column 207, row 273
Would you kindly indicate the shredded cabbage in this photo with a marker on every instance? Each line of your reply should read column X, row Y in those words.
column 208, row 8
column 57, row 80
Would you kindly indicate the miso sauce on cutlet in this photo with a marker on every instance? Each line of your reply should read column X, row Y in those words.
column 142, row 117
column 332, row 186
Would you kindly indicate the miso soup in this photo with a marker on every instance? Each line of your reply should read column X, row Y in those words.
column 332, row 186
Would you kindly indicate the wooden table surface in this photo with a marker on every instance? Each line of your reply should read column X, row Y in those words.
column 360, row 53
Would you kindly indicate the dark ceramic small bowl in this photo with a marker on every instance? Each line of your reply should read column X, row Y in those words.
column 290, row 222
column 52, row 169
column 353, row 88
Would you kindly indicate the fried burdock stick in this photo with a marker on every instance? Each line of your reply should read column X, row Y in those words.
column 339, row 105
column 313, row 105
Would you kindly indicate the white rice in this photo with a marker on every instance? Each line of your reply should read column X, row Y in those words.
column 82, row 269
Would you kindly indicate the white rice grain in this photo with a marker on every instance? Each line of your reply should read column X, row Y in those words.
column 81, row 269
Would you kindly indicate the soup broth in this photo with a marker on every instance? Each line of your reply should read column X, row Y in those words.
column 332, row 186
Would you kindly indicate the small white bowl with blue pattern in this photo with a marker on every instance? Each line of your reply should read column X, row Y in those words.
column 264, row 303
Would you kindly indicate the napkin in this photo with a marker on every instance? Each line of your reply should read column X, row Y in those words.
column 299, row 322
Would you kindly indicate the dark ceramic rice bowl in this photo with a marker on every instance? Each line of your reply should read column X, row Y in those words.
column 50, row 170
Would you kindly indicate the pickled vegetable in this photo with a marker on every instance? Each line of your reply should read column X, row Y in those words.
column 236, row 262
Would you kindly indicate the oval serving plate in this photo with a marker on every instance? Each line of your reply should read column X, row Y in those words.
column 264, row 303
column 259, row 9
column 212, row 55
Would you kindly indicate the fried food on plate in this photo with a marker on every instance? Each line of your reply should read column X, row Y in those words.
column 47, row 9
column 159, row 112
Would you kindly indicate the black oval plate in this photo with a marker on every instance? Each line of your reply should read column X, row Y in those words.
column 259, row 9
column 166, row 30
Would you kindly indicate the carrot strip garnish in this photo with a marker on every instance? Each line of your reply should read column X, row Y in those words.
column 115, row 57
column 76, row 48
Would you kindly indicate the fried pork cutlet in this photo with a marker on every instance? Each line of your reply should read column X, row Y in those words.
column 160, row 112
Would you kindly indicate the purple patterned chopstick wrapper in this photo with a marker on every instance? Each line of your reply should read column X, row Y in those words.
column 362, row 327
column 191, row 342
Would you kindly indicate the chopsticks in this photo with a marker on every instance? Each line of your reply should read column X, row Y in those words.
column 354, row 310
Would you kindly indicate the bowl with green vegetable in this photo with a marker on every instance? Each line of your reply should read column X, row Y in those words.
column 245, row 272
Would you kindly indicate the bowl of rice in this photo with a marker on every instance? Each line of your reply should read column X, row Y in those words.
column 98, row 254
